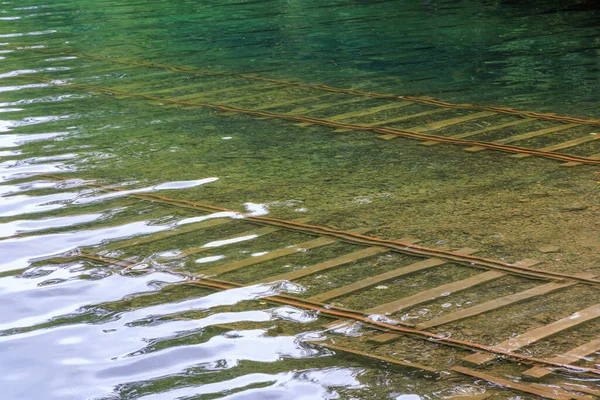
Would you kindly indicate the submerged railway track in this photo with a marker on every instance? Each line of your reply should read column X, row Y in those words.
column 521, row 133
column 380, row 320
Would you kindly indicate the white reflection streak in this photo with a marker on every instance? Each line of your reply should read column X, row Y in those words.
column 45, row 99
column 14, row 227
column 33, row 185
column 22, row 87
column 19, row 251
column 23, row 204
column 222, row 214
column 164, row 186
column 18, row 72
column 8, row 125
column 36, row 33
column 225, row 298
column 204, row 260
column 224, row 242
column 60, row 58
column 10, row 153
column 64, row 298
column 304, row 384
column 15, row 140
column 254, row 210
column 24, row 171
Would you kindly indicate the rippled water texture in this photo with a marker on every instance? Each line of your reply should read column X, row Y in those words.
column 73, row 327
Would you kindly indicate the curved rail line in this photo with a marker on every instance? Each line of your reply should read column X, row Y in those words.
column 360, row 317
column 324, row 122
column 423, row 100
column 355, row 238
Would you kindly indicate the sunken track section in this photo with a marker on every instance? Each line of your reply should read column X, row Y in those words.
column 366, row 270
column 521, row 133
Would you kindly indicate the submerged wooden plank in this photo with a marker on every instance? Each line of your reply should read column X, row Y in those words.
column 561, row 391
column 569, row 357
column 374, row 280
column 435, row 293
column 251, row 96
column 323, row 107
column 563, row 145
column 381, row 123
column 196, row 86
column 480, row 131
column 543, row 392
column 269, row 91
column 291, row 101
column 368, row 111
column 388, row 136
column 395, row 120
column 527, row 135
column 530, row 262
column 204, row 95
column 358, row 113
column 386, row 276
column 540, row 333
column 495, row 304
column 548, row 394
column 135, row 83
column 575, row 163
column 406, row 364
column 479, row 396
column 452, row 121
column 167, row 234
column 335, row 262
column 581, row 388
column 408, row 117
column 269, row 256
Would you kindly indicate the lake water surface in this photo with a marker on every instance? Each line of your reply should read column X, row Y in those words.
column 74, row 327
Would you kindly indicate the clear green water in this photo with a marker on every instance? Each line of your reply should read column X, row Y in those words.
column 79, row 329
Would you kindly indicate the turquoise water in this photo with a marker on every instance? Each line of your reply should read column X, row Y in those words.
column 540, row 56
column 73, row 328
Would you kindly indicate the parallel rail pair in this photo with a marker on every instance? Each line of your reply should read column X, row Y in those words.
column 390, row 328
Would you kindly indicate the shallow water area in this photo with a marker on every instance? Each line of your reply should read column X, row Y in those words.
column 218, row 199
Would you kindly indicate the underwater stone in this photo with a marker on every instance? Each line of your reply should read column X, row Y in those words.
column 549, row 249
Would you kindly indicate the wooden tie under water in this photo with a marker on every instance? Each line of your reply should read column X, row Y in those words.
column 428, row 120
column 384, row 331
